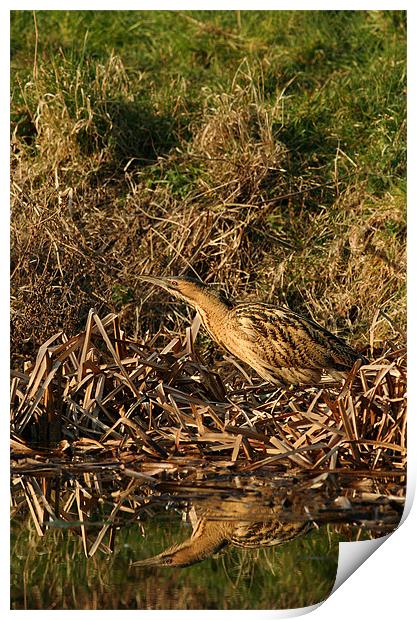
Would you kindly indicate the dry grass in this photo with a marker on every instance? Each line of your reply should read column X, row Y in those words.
column 228, row 205
column 106, row 428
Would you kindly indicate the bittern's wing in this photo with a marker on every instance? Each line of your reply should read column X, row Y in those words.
column 291, row 348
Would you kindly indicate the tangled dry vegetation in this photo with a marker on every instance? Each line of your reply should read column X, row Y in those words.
column 89, row 214
column 107, row 429
column 109, row 426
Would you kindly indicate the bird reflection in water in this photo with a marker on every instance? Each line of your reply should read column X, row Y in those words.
column 237, row 525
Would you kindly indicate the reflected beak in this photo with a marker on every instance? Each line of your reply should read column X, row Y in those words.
column 155, row 561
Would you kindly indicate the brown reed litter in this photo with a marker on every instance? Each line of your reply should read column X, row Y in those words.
column 109, row 429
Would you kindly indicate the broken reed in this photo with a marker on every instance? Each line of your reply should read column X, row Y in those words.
column 105, row 428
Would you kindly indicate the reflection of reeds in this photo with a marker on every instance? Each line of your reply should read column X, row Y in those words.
column 104, row 427
column 53, row 573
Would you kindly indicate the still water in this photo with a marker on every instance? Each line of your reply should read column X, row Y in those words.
column 52, row 572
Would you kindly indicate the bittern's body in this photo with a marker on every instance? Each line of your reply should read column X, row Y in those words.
column 280, row 345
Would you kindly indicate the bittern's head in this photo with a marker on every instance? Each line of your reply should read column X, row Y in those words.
column 194, row 292
column 184, row 288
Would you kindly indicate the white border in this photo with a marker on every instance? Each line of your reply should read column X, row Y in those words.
column 384, row 585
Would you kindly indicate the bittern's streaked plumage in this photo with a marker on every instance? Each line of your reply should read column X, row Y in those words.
column 280, row 345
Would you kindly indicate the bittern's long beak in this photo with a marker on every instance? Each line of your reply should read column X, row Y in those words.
column 152, row 279
column 165, row 283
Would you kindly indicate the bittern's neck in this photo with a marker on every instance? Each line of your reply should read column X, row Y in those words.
column 209, row 305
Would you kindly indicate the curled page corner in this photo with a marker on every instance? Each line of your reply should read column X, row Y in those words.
column 352, row 555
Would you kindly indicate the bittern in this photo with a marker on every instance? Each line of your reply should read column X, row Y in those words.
column 211, row 535
column 283, row 347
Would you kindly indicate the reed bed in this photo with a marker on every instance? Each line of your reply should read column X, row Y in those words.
column 108, row 430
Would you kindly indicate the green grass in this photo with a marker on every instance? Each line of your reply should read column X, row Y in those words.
column 342, row 72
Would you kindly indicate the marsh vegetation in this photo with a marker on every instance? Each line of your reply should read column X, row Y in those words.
column 263, row 151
